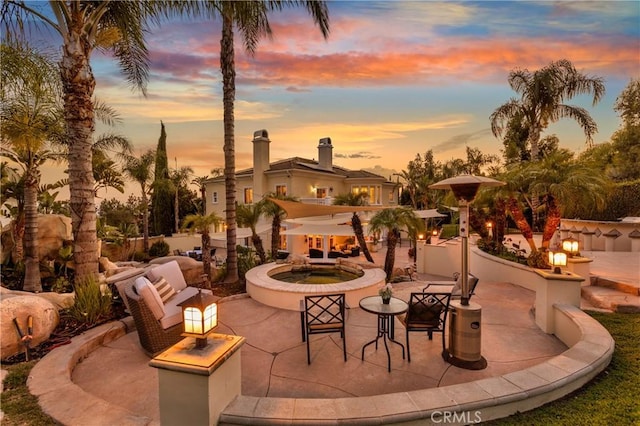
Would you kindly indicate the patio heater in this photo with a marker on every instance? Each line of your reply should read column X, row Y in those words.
column 464, row 325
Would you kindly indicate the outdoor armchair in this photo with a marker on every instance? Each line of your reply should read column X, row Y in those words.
column 153, row 300
column 427, row 313
column 324, row 314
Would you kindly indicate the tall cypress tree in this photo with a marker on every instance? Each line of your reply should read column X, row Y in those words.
column 162, row 199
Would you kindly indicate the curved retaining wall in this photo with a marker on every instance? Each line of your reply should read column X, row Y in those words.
column 590, row 351
column 264, row 289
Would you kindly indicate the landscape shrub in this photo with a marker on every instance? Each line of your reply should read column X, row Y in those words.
column 92, row 303
column 449, row 231
column 159, row 249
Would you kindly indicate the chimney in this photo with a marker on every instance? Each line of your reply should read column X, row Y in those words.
column 325, row 154
column 260, row 163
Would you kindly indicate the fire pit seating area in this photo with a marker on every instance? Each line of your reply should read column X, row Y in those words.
column 153, row 300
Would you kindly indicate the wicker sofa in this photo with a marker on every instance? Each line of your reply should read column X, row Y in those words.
column 153, row 300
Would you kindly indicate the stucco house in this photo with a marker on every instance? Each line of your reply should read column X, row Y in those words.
column 309, row 180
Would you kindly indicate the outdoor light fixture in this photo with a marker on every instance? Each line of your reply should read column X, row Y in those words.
column 199, row 317
column 489, row 226
column 570, row 245
column 434, row 232
column 421, row 236
column 557, row 259
column 464, row 188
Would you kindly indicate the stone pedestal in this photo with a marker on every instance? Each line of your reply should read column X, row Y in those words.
column 580, row 266
column 195, row 385
column 562, row 288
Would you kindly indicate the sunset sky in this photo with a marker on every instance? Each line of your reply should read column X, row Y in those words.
column 392, row 80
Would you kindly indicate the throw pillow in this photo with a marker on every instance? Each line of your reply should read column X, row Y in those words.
column 165, row 290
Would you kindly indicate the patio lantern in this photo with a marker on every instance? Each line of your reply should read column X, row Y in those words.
column 199, row 317
column 557, row 259
column 570, row 246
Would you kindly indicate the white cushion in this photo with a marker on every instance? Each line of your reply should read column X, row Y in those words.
column 164, row 289
column 171, row 272
column 150, row 295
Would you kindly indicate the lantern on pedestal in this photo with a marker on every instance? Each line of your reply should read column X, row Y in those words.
column 557, row 259
column 199, row 317
column 570, row 246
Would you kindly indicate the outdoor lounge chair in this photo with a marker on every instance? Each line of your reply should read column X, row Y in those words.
column 324, row 314
column 334, row 254
column 315, row 253
column 427, row 313
column 153, row 301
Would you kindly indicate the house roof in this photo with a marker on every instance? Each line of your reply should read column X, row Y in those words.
column 299, row 163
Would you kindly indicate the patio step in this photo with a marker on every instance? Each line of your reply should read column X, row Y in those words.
column 616, row 285
column 611, row 299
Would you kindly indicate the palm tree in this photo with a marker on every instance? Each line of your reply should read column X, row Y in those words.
column 542, row 94
column 276, row 213
column 31, row 120
column 116, row 26
column 201, row 223
column 251, row 19
column 563, row 181
column 248, row 215
column 139, row 170
column 353, row 199
column 392, row 221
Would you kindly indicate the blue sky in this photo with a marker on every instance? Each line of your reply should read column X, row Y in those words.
column 393, row 79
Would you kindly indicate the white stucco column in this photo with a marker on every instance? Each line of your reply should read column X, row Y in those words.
column 562, row 288
column 195, row 385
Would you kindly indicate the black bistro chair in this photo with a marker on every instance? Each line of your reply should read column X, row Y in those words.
column 324, row 314
column 427, row 313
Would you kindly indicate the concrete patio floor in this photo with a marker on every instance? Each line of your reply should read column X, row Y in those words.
column 274, row 356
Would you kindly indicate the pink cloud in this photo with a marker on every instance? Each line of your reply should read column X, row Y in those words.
column 475, row 60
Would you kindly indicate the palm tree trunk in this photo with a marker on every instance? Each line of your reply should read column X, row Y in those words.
column 206, row 256
column 257, row 243
column 356, row 224
column 79, row 83
column 521, row 222
column 18, row 238
column 500, row 219
column 275, row 234
column 390, row 258
column 227, row 66
column 552, row 222
column 32, row 265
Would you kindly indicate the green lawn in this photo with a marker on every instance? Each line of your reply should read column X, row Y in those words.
column 612, row 398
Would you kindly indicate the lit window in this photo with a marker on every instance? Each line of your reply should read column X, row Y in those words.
column 248, row 195
column 281, row 190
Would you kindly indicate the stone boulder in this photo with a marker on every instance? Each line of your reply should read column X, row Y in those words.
column 191, row 269
column 296, row 259
column 54, row 230
column 45, row 320
column 108, row 267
